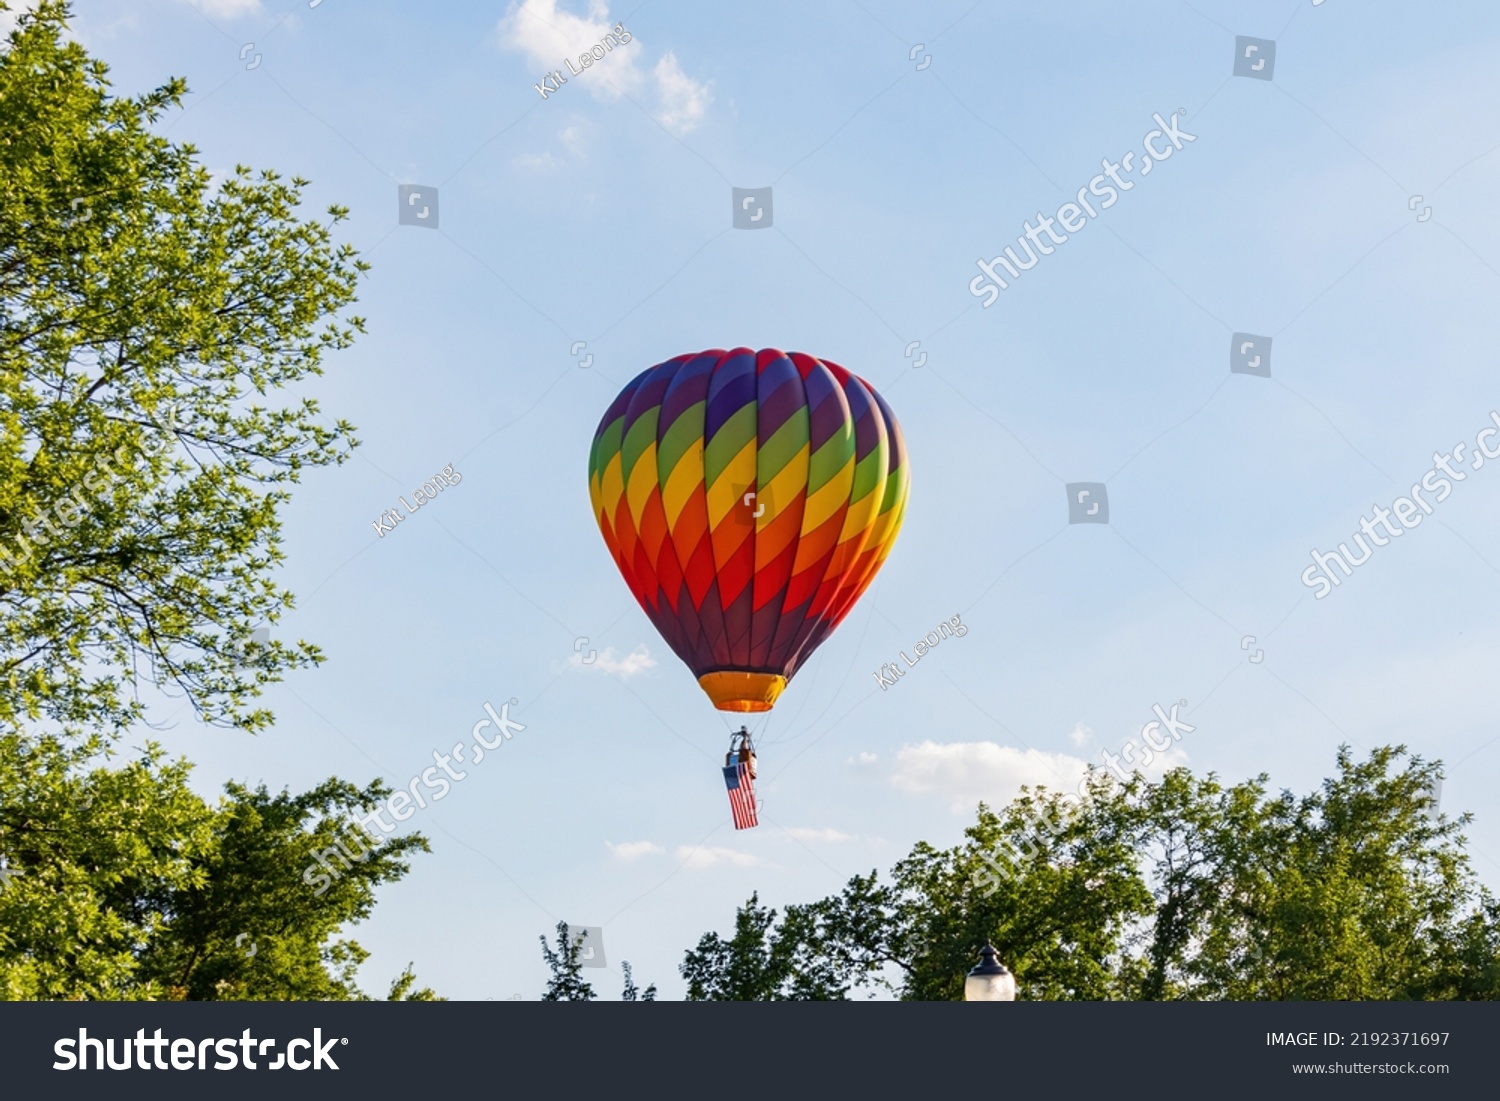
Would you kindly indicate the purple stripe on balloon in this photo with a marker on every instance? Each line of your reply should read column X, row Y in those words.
column 828, row 415
column 737, row 625
column 617, row 407
column 778, row 654
column 763, row 629
column 689, row 386
column 648, row 394
column 893, row 434
column 689, row 645
column 714, row 653
column 866, row 419
column 781, row 396
column 732, row 389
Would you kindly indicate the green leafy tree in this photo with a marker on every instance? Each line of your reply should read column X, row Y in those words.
column 566, row 983
column 633, row 993
column 747, row 967
column 149, row 316
column 145, row 313
column 1355, row 891
column 405, row 989
column 797, row 959
column 1051, row 886
column 93, row 857
column 257, row 885
column 124, row 884
column 1179, row 889
column 1051, row 882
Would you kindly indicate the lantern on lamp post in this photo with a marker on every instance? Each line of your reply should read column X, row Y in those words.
column 990, row 980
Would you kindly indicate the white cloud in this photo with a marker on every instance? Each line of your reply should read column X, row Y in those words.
column 633, row 663
column 227, row 9
column 802, row 833
column 535, row 162
column 568, row 137
column 1162, row 763
column 1081, row 736
column 634, row 850
column 698, row 857
column 548, row 35
column 684, row 101
column 966, row 772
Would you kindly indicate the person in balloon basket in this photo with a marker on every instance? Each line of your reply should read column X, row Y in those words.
column 744, row 754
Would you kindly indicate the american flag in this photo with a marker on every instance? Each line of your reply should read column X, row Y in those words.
column 741, row 795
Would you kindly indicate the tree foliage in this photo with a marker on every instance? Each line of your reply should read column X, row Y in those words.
column 153, row 321
column 633, row 993
column 146, row 312
column 566, row 982
column 1181, row 889
column 126, row 885
column 795, row 961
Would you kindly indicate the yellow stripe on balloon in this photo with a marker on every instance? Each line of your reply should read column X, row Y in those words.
column 783, row 488
column 828, row 498
column 612, row 484
column 734, row 481
column 643, row 482
column 682, row 483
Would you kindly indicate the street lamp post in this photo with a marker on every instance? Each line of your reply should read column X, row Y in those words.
column 991, row 980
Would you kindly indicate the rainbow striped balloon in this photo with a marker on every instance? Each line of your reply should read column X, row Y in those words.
column 748, row 498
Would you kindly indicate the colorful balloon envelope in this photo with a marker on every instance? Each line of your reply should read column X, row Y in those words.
column 748, row 498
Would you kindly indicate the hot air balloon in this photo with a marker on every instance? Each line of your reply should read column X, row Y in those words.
column 748, row 498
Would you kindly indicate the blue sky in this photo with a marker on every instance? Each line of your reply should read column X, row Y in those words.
column 601, row 214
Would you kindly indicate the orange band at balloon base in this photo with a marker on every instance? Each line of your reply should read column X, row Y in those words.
column 733, row 691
